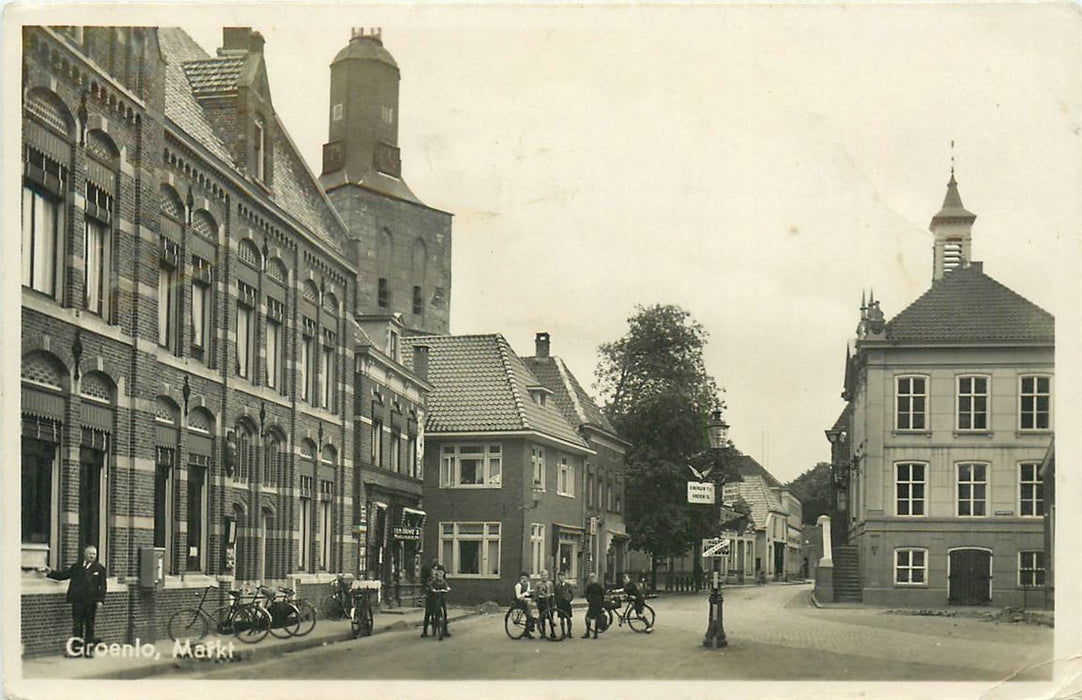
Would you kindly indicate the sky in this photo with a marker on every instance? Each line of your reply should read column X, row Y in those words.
column 759, row 166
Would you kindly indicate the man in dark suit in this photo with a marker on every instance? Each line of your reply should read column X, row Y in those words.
column 86, row 593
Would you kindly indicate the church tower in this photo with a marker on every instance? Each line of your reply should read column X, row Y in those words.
column 953, row 231
column 401, row 246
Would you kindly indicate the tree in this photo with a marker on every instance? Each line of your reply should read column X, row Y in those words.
column 657, row 394
column 814, row 491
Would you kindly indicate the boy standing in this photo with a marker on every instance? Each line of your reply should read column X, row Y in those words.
column 564, row 594
column 595, row 602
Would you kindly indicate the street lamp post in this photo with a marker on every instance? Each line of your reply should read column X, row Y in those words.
column 718, row 433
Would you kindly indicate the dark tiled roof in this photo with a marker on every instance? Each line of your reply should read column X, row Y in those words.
column 966, row 305
column 181, row 106
column 481, row 385
column 214, row 76
column 575, row 404
column 748, row 467
column 191, row 74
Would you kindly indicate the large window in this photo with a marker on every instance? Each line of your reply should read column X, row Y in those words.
column 163, row 490
column 327, row 376
column 565, row 478
column 1031, row 568
column 200, row 315
column 1030, row 489
column 972, row 403
column 305, row 523
column 39, row 494
column 470, row 466
column 911, row 567
column 537, row 460
column 911, row 401
column 377, row 442
column 909, row 488
column 244, row 341
column 167, row 307
column 96, row 245
column 1035, row 403
column 41, row 230
column 274, row 353
column 537, row 547
column 972, row 489
column 197, row 513
column 396, row 451
column 326, row 524
column 304, row 369
column 470, row 549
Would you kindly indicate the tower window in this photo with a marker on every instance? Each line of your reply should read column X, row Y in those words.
column 386, row 113
column 418, row 302
column 336, row 112
column 259, row 155
column 952, row 254
column 384, row 293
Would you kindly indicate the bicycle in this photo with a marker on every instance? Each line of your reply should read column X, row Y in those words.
column 337, row 605
column 550, row 616
column 285, row 615
column 438, row 621
column 638, row 621
column 516, row 620
column 306, row 612
column 247, row 621
column 360, row 613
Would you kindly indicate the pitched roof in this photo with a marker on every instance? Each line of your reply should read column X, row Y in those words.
column 966, row 305
column 214, row 76
column 757, row 489
column 576, row 405
column 191, row 76
column 481, row 385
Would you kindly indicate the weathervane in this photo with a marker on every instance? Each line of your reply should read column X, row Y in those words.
column 952, row 157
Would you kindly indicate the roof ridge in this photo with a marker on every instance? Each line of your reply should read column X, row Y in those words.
column 505, row 351
column 569, row 387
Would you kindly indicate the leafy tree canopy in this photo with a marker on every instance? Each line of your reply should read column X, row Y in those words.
column 656, row 391
column 814, row 491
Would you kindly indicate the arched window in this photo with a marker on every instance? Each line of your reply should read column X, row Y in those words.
column 277, row 271
column 102, row 171
column 249, row 253
column 274, row 463
column 43, row 410
column 47, row 154
column 245, row 452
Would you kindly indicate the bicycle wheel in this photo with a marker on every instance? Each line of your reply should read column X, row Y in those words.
column 332, row 608
column 251, row 624
column 187, row 624
column 514, row 622
column 604, row 622
column 306, row 617
column 288, row 622
column 641, row 622
column 367, row 621
column 222, row 620
column 439, row 622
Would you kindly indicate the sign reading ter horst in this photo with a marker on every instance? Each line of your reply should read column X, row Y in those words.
column 699, row 492
column 412, row 534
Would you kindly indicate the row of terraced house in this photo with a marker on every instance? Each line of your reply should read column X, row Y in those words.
column 245, row 369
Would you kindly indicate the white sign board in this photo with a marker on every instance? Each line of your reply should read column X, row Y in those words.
column 699, row 492
column 717, row 547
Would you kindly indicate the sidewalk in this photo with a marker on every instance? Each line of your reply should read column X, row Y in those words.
column 160, row 660
column 985, row 613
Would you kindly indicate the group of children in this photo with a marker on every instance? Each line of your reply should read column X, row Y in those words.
column 558, row 598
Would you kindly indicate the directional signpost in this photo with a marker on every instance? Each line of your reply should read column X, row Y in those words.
column 699, row 492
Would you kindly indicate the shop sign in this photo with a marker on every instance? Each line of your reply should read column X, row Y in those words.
column 412, row 534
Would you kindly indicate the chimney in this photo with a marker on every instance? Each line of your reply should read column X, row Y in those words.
column 420, row 361
column 242, row 39
column 541, row 344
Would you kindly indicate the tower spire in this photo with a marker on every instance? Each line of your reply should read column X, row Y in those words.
column 952, row 227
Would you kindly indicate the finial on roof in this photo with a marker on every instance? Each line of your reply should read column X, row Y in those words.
column 952, row 159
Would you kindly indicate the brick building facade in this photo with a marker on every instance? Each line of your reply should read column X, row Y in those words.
column 188, row 331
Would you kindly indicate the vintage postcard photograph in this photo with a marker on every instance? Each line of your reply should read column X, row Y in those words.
column 500, row 350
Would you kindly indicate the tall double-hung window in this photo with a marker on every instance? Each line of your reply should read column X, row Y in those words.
column 911, row 403
column 973, row 403
column 1035, row 403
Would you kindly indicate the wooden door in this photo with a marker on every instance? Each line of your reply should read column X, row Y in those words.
column 970, row 580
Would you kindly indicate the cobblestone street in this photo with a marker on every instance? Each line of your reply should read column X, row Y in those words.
column 774, row 634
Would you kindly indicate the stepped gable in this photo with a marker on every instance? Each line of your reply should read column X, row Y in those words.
column 966, row 305
column 481, row 385
column 576, row 405
column 198, row 90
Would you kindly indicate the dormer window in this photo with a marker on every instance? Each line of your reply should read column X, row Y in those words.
column 539, row 394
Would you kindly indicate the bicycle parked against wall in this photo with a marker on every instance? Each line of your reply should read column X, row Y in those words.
column 245, row 619
column 360, row 613
column 305, row 610
column 639, row 621
column 338, row 604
